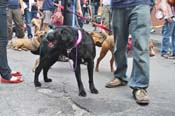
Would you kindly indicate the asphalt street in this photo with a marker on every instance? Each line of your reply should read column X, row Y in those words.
column 60, row 97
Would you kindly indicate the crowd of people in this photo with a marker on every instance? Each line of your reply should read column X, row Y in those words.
column 127, row 17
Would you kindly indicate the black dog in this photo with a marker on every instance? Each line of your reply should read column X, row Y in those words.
column 76, row 44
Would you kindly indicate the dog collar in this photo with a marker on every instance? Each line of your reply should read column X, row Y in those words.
column 78, row 39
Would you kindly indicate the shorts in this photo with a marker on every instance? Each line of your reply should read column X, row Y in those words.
column 47, row 16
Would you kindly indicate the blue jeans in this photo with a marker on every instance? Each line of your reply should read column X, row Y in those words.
column 167, row 31
column 95, row 6
column 28, row 18
column 4, row 67
column 136, row 21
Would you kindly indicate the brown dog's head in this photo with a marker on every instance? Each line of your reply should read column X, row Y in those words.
column 37, row 24
column 38, row 38
column 97, row 38
column 39, row 35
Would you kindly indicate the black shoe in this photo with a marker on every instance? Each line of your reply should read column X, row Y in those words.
column 30, row 36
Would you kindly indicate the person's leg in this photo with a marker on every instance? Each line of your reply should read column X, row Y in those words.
column 120, row 31
column 173, row 39
column 28, row 22
column 166, row 30
column 71, row 19
column 10, row 30
column 4, row 68
column 140, row 23
column 106, row 16
column 17, row 18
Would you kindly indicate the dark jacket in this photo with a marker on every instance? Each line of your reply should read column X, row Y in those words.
column 13, row 4
column 129, row 3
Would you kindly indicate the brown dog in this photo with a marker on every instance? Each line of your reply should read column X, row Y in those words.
column 106, row 42
column 37, row 24
column 27, row 44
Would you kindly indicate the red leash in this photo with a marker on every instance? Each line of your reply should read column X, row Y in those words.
column 87, row 19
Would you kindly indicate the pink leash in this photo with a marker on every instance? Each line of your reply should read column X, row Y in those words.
column 94, row 23
column 75, row 46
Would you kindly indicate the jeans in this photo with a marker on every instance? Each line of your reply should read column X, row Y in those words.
column 136, row 21
column 167, row 31
column 95, row 6
column 4, row 68
column 28, row 18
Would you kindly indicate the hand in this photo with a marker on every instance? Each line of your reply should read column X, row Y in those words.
column 79, row 11
column 170, row 19
column 163, row 7
column 22, row 11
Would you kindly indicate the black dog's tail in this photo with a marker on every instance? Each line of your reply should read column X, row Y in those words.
column 37, row 51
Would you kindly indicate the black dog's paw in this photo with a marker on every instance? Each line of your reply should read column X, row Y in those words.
column 37, row 84
column 94, row 90
column 82, row 93
column 48, row 80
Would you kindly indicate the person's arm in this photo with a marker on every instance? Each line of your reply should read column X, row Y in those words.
column 22, row 6
column 79, row 10
column 163, row 6
column 101, row 3
column 39, row 4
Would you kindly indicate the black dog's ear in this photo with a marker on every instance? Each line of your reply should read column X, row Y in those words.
column 64, row 34
column 50, row 36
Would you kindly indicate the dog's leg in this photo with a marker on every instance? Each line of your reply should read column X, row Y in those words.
column 102, row 55
column 45, row 71
column 90, row 67
column 35, row 65
column 37, row 72
column 112, row 62
column 151, row 52
column 78, row 78
column 46, row 68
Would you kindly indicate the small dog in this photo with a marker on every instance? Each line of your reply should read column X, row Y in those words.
column 76, row 44
column 106, row 42
column 27, row 44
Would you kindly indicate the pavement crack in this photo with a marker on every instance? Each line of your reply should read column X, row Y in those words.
column 76, row 105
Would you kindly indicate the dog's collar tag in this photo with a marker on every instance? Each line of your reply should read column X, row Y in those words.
column 79, row 38
column 68, row 51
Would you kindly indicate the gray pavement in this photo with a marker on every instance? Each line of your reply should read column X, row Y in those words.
column 60, row 97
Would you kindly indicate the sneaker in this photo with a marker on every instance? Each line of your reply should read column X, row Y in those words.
column 115, row 83
column 140, row 96
column 172, row 56
column 30, row 36
column 165, row 56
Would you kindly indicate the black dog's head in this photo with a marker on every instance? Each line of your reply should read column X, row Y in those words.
column 66, row 36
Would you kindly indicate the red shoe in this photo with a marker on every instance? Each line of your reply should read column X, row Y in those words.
column 13, row 79
column 14, row 73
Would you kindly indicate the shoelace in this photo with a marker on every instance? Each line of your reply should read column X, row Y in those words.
column 142, row 92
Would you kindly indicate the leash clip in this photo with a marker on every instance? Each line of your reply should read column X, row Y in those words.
column 69, row 50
